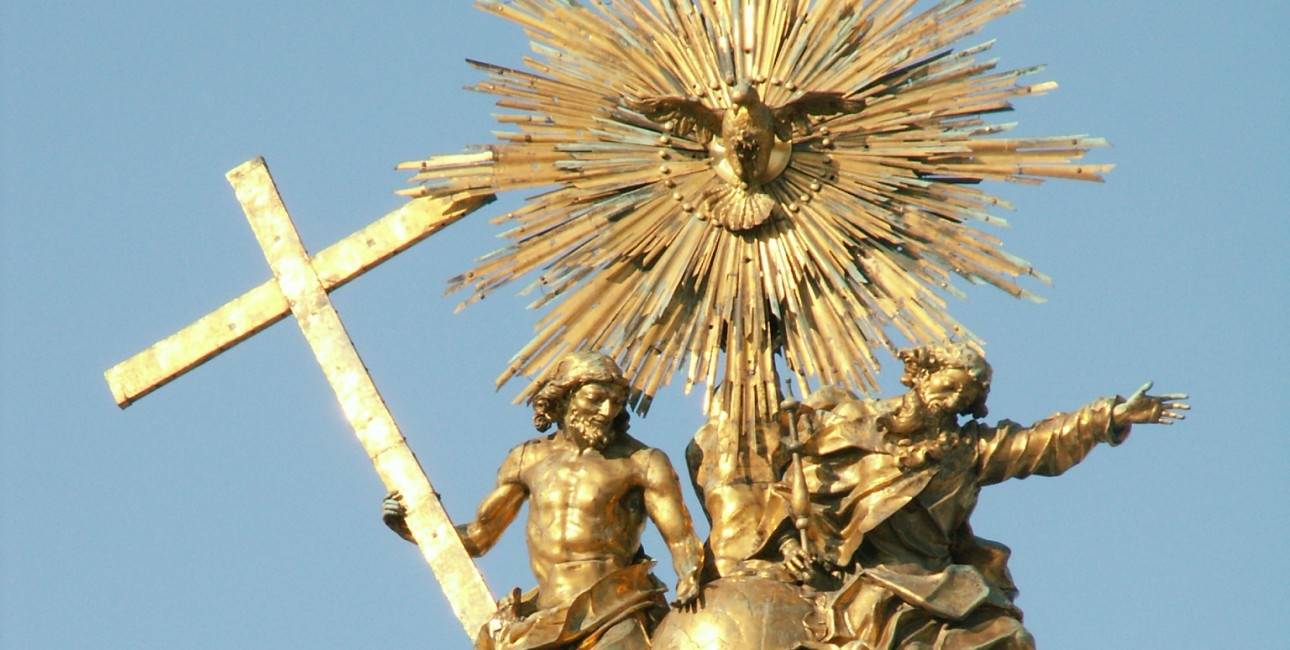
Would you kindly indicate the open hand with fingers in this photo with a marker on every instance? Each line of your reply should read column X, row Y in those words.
column 1141, row 408
column 687, row 592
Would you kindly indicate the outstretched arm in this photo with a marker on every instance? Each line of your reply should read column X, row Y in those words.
column 1056, row 444
column 666, row 509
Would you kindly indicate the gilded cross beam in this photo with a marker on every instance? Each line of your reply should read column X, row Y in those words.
column 255, row 310
column 300, row 287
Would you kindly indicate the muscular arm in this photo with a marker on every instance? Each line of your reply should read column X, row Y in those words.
column 498, row 509
column 666, row 509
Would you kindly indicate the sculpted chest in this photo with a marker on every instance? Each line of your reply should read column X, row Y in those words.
column 588, row 482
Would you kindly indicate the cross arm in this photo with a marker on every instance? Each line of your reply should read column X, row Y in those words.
column 265, row 305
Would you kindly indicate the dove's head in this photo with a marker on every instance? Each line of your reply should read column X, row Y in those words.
column 744, row 94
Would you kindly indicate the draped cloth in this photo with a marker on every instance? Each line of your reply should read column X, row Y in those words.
column 894, row 516
column 617, row 611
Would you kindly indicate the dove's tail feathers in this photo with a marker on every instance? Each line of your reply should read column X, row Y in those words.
column 737, row 209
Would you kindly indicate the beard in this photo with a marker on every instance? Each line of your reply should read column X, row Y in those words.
column 948, row 405
column 912, row 416
column 592, row 430
column 915, row 416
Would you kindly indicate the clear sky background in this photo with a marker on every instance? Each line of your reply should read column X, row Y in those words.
column 234, row 508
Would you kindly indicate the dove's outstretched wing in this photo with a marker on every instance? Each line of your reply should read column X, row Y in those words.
column 690, row 117
column 812, row 104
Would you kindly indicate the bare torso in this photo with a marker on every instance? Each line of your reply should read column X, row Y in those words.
column 586, row 510
column 584, row 505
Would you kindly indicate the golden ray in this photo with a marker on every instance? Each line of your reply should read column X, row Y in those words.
column 664, row 240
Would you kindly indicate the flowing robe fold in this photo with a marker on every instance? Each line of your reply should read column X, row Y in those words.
column 895, row 515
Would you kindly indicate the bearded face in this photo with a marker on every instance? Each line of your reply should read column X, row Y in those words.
column 589, row 418
column 950, row 391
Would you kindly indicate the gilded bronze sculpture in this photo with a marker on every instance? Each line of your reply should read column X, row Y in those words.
column 890, row 559
column 590, row 487
column 920, row 575
column 751, row 190
column 750, row 144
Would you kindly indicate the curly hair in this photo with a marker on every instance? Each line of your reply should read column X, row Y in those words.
column 575, row 370
column 923, row 362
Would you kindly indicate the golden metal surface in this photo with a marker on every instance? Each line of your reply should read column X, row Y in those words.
column 742, row 613
column 892, row 486
column 729, row 181
column 589, row 487
column 398, row 468
column 265, row 305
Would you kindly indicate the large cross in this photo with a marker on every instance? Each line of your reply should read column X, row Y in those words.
column 300, row 287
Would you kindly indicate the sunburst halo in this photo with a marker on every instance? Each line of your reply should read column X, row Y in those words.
column 641, row 246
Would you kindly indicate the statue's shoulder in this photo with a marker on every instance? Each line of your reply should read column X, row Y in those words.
column 635, row 448
column 984, row 438
column 534, row 445
column 980, row 430
column 644, row 458
column 528, row 452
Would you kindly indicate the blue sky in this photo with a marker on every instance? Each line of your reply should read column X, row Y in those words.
column 234, row 508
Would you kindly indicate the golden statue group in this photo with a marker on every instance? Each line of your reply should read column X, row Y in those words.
column 850, row 530
column 756, row 193
column 741, row 188
column 737, row 181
